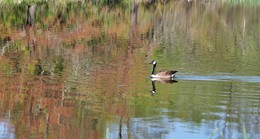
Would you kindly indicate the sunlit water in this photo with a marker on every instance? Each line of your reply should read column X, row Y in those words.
column 253, row 79
column 82, row 71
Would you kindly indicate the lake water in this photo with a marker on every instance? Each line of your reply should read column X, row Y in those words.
column 80, row 70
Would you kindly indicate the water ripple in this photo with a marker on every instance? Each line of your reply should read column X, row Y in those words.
column 255, row 79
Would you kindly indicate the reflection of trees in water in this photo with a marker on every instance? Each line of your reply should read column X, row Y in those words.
column 31, row 14
column 204, row 33
column 70, row 107
column 31, row 103
column 236, row 116
column 198, row 19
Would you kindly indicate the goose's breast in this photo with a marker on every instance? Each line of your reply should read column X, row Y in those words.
column 160, row 76
column 155, row 76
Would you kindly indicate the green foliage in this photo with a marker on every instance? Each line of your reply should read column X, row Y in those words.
column 95, row 41
column 58, row 65
column 7, row 69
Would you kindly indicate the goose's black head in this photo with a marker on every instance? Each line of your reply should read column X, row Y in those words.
column 153, row 62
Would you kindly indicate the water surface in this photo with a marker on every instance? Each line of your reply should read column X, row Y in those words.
column 80, row 70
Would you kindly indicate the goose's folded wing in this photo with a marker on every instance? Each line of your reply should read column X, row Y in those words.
column 171, row 72
column 165, row 73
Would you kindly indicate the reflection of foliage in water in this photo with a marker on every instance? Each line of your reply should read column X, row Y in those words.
column 199, row 34
column 13, row 54
column 58, row 64
column 96, row 81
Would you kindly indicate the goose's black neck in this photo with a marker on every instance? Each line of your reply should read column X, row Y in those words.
column 154, row 66
column 153, row 85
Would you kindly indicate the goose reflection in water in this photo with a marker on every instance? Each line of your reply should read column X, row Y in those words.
column 153, row 80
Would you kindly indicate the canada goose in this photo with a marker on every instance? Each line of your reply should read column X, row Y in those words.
column 162, row 74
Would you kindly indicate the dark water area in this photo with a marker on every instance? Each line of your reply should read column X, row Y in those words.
column 80, row 70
